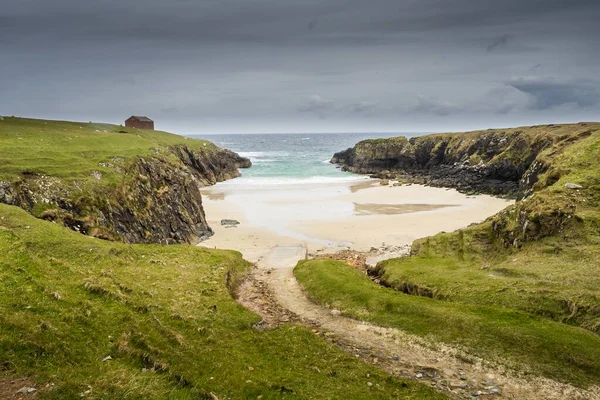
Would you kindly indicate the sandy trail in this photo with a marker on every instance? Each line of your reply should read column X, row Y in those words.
column 272, row 291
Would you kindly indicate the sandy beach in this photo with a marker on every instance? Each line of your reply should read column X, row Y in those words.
column 355, row 214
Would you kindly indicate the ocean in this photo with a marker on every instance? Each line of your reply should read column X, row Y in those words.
column 292, row 158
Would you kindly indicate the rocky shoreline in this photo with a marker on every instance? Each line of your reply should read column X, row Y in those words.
column 504, row 162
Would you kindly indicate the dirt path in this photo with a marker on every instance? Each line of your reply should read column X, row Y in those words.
column 272, row 291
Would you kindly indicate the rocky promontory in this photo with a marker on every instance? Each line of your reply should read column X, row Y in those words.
column 147, row 195
column 495, row 161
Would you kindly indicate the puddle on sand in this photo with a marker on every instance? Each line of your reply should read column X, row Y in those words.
column 214, row 195
column 363, row 185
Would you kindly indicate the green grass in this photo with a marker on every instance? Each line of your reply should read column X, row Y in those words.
column 165, row 316
column 555, row 280
column 73, row 150
column 524, row 341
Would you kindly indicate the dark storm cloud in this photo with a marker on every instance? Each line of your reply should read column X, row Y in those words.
column 550, row 93
column 301, row 64
column 498, row 42
column 268, row 21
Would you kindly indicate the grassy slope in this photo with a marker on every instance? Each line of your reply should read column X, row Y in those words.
column 164, row 315
column 528, row 342
column 518, row 294
column 72, row 150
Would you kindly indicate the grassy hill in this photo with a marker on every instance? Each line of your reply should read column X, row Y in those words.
column 73, row 150
column 524, row 285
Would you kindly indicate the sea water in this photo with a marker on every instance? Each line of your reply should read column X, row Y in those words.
column 292, row 158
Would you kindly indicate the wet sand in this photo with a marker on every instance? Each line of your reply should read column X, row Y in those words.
column 354, row 215
column 395, row 209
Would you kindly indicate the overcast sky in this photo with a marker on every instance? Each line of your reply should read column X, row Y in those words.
column 218, row 66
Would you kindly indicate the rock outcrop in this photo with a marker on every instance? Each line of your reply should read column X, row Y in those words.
column 501, row 162
column 157, row 201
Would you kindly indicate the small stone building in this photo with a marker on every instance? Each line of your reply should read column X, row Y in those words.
column 139, row 122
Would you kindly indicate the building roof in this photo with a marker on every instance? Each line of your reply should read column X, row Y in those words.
column 141, row 118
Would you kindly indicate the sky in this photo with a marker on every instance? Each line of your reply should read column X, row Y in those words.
column 260, row 66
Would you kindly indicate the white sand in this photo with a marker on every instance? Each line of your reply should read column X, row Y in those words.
column 356, row 215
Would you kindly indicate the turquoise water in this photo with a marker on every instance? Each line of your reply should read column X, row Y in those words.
column 291, row 158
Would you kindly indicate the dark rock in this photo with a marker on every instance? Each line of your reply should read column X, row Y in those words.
column 6, row 193
column 229, row 222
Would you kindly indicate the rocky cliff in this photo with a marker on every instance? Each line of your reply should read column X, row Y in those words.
column 155, row 200
column 496, row 161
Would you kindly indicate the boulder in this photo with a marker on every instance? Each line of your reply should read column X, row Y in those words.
column 6, row 193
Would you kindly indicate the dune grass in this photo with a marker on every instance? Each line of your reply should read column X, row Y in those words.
column 73, row 150
column 523, row 341
column 163, row 321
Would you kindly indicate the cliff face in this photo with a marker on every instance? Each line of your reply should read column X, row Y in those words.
column 501, row 162
column 157, row 200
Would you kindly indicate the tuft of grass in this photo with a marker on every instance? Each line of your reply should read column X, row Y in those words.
column 109, row 320
column 529, row 342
